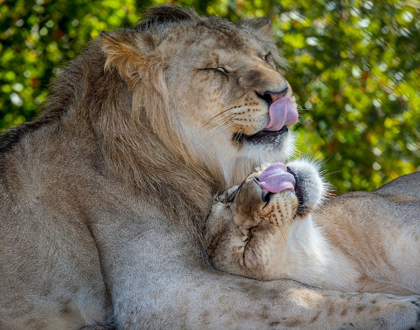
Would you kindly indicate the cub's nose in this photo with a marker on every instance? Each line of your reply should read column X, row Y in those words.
column 273, row 96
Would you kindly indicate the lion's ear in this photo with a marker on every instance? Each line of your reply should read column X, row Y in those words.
column 128, row 53
column 262, row 25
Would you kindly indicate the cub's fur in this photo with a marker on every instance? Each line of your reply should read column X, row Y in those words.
column 366, row 242
column 103, row 198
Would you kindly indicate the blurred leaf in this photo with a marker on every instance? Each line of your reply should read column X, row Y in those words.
column 356, row 70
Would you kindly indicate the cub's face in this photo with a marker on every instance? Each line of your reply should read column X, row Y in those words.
column 227, row 90
column 272, row 197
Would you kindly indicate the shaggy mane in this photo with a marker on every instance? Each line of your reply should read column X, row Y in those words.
column 163, row 15
column 65, row 88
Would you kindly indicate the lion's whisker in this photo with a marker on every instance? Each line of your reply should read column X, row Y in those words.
column 237, row 136
column 217, row 123
column 223, row 119
column 214, row 131
column 220, row 125
column 220, row 113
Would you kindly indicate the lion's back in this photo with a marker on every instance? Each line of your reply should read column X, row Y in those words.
column 406, row 185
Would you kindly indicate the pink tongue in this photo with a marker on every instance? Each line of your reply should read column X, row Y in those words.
column 282, row 113
column 275, row 178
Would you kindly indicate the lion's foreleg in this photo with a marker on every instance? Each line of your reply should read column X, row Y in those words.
column 200, row 299
column 162, row 283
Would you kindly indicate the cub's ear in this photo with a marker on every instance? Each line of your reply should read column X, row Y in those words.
column 263, row 25
column 129, row 53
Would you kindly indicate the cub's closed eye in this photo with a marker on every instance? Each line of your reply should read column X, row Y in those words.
column 223, row 70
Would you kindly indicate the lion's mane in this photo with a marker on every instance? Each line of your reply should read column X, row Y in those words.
column 128, row 116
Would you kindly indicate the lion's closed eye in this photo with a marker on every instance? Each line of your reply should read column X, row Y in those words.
column 266, row 57
column 221, row 69
column 269, row 59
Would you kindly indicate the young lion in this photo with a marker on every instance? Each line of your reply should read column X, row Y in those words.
column 270, row 228
column 103, row 197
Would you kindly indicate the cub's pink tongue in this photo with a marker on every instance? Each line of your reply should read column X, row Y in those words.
column 282, row 113
column 275, row 178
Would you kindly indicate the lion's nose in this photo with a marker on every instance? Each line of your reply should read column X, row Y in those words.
column 275, row 95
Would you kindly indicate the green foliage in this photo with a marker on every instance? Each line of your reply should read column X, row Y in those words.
column 39, row 37
column 355, row 70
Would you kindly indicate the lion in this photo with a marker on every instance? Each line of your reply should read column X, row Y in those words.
column 104, row 197
column 272, row 227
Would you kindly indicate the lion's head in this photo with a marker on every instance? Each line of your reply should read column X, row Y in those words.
column 210, row 89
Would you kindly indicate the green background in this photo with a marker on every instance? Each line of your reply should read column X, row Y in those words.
column 355, row 71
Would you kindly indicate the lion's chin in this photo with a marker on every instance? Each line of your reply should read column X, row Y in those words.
column 268, row 146
column 261, row 137
column 252, row 153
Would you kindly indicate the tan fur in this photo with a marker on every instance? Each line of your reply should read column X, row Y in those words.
column 103, row 198
column 365, row 242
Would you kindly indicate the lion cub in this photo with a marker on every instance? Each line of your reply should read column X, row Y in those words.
column 270, row 227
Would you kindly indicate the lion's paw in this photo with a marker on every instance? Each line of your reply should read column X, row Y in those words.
column 390, row 313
